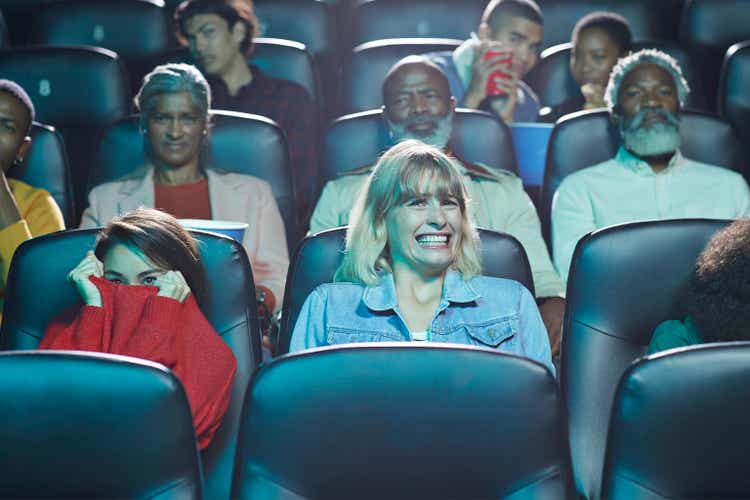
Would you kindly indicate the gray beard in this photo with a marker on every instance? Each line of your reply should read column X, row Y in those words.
column 438, row 138
column 656, row 140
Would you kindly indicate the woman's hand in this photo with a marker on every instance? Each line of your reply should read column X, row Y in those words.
column 593, row 93
column 172, row 284
column 79, row 277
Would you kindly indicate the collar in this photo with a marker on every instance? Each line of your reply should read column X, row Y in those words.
column 382, row 297
column 637, row 165
column 220, row 88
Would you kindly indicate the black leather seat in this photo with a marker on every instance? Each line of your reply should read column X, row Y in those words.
column 239, row 142
column 78, row 425
column 370, row 62
column 678, row 427
column 318, row 256
column 648, row 20
column 585, row 138
column 552, row 81
column 393, row 420
column 624, row 280
column 707, row 29
column 42, row 264
column 358, row 140
column 734, row 90
column 78, row 90
column 380, row 19
column 45, row 166
column 136, row 30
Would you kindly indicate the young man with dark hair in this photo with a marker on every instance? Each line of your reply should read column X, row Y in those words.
column 219, row 34
column 486, row 71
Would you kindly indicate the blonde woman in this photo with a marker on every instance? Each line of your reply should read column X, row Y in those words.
column 411, row 269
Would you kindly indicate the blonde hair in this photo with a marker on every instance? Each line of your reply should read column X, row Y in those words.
column 400, row 174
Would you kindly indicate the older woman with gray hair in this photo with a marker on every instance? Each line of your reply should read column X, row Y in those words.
column 411, row 268
column 174, row 103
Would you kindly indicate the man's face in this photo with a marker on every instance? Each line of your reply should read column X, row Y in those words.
column 176, row 129
column 213, row 44
column 647, row 107
column 14, row 122
column 418, row 105
column 523, row 37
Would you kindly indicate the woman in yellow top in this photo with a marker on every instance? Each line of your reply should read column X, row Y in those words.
column 25, row 211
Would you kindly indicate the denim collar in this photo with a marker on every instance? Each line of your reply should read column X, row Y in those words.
column 382, row 297
column 635, row 164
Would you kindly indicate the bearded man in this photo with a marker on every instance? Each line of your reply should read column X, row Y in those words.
column 419, row 105
column 648, row 178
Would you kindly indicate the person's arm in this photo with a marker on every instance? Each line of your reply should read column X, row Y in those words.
column 91, row 216
column 535, row 339
column 743, row 198
column 327, row 213
column 309, row 330
column 572, row 218
column 301, row 131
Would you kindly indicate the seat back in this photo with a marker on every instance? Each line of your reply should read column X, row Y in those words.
column 239, row 142
column 371, row 61
column 81, row 425
column 495, row 430
column 707, row 29
column 45, row 165
column 734, row 90
column 664, row 445
column 317, row 257
column 553, row 83
column 358, row 140
column 647, row 20
column 624, row 281
column 43, row 263
column 585, row 138
column 77, row 90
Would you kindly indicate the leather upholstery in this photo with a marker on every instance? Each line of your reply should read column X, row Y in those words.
column 318, row 256
column 394, row 420
column 678, row 427
column 79, row 425
column 624, row 280
column 553, row 83
column 77, row 90
column 40, row 266
column 734, row 91
column 586, row 138
column 239, row 142
column 370, row 62
column 45, row 165
column 358, row 140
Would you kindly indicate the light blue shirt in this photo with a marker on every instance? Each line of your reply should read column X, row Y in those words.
column 626, row 189
column 483, row 311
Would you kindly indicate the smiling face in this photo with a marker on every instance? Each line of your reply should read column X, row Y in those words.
column 593, row 56
column 418, row 104
column 175, row 129
column 213, row 44
column 425, row 231
column 14, row 123
column 127, row 265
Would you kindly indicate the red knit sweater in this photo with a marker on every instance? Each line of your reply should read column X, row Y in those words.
column 134, row 321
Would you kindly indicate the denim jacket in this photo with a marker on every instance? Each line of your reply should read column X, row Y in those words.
column 483, row 311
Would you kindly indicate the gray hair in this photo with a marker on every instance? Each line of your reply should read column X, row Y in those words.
column 172, row 78
column 645, row 56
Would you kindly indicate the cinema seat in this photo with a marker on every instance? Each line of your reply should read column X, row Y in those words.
column 734, row 89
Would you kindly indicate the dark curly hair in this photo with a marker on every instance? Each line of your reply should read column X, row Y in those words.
column 718, row 294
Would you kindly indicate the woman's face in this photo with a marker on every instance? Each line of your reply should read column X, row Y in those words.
column 593, row 56
column 176, row 129
column 424, row 233
column 127, row 265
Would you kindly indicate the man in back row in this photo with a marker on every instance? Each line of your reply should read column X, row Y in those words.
column 648, row 178
column 479, row 71
column 418, row 105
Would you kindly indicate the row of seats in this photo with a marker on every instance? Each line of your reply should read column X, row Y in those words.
column 141, row 30
column 295, row 437
column 577, row 141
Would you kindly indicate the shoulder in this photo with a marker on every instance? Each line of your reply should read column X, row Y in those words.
column 605, row 170
column 490, row 286
column 715, row 172
column 287, row 88
column 528, row 92
column 338, row 292
column 483, row 172
column 673, row 333
column 237, row 180
column 22, row 191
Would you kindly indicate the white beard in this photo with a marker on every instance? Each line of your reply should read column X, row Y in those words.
column 438, row 138
column 658, row 139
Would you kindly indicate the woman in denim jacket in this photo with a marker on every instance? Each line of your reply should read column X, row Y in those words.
column 411, row 265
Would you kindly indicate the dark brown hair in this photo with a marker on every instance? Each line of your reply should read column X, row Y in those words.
column 162, row 239
column 232, row 11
